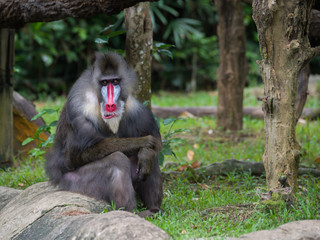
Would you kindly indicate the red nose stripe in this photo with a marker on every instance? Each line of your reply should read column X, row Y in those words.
column 110, row 106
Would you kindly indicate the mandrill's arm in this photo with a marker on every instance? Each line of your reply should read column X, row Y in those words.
column 107, row 146
column 84, row 144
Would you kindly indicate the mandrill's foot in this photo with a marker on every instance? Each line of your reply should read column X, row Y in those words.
column 150, row 213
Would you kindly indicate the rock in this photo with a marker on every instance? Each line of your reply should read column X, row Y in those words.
column 6, row 194
column 45, row 212
column 299, row 230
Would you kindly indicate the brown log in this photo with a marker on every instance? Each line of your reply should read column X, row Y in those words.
column 254, row 112
column 233, row 165
column 16, row 13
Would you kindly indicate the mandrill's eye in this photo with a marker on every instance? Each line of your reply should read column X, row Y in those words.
column 104, row 82
column 115, row 81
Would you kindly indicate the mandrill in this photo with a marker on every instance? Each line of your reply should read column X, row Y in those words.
column 107, row 143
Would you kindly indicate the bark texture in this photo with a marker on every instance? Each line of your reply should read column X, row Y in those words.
column 16, row 13
column 139, row 47
column 283, row 36
column 233, row 68
column 6, row 93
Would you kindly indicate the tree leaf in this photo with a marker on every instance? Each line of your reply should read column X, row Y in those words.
column 27, row 140
column 182, row 168
column 106, row 28
column 101, row 41
column 195, row 164
column 41, row 113
column 116, row 33
column 167, row 121
column 166, row 150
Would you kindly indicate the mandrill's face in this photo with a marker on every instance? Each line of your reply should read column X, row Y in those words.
column 111, row 106
column 110, row 91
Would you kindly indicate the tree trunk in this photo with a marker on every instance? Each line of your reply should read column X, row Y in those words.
column 283, row 36
column 6, row 91
column 233, row 68
column 139, row 47
column 16, row 13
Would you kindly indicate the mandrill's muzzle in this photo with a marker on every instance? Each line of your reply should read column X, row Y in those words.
column 110, row 95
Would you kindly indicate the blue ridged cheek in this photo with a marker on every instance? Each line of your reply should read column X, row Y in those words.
column 116, row 93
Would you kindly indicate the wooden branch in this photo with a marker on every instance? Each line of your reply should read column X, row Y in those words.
column 230, row 165
column 254, row 112
column 16, row 13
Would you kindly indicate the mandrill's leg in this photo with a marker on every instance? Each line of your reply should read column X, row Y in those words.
column 108, row 179
column 150, row 190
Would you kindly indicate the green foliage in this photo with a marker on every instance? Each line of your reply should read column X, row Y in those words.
column 24, row 174
column 105, row 36
column 110, row 207
column 168, row 138
column 50, row 56
column 178, row 23
column 43, row 145
column 206, row 52
column 161, row 48
column 228, row 206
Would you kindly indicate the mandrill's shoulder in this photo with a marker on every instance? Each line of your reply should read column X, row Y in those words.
column 135, row 109
column 138, row 120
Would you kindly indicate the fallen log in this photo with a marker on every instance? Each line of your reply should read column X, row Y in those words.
column 233, row 165
column 254, row 112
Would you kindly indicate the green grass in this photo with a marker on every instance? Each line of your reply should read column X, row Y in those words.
column 218, row 207
column 210, row 145
column 202, row 98
column 229, row 207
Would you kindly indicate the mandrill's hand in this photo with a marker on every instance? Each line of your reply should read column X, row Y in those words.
column 152, row 143
column 145, row 162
